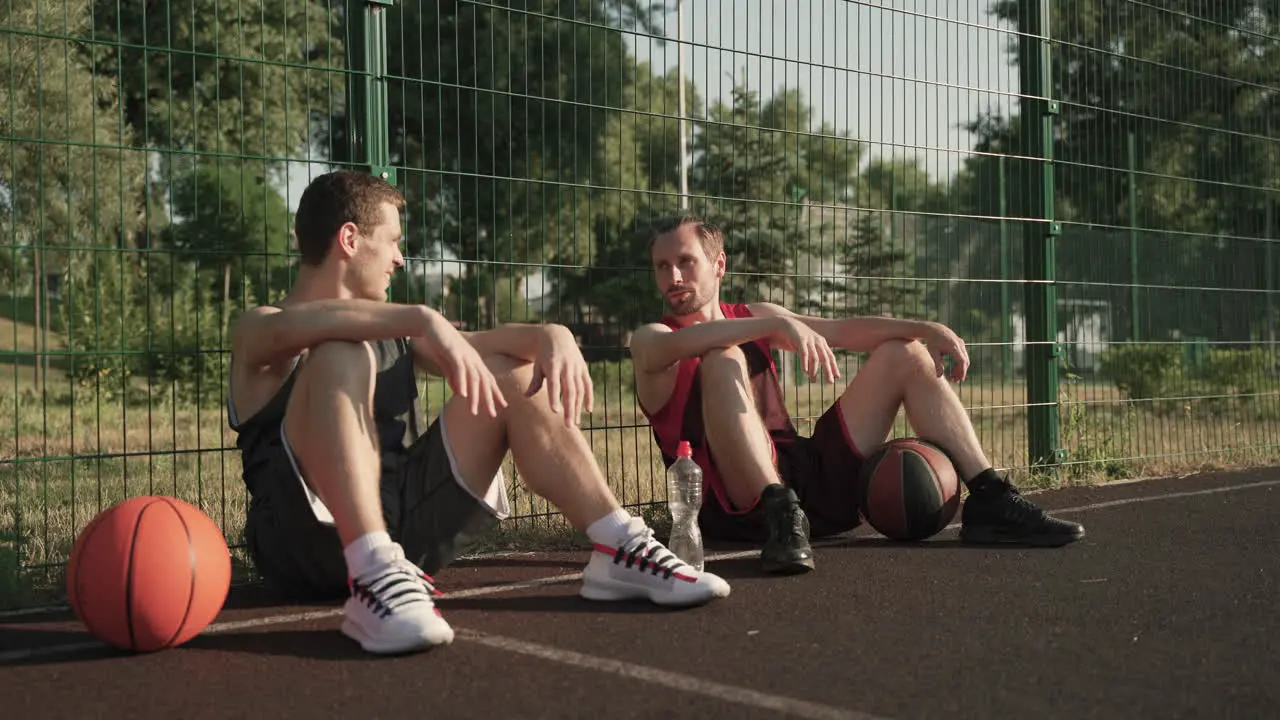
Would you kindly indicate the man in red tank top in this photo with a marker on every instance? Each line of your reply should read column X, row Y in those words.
column 705, row 374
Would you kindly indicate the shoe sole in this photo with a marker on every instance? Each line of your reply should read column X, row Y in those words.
column 400, row 646
column 606, row 594
column 995, row 537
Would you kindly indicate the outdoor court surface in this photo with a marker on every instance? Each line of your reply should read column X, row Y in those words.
column 1167, row 609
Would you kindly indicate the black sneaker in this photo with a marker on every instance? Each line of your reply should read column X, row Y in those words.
column 787, row 550
column 1000, row 514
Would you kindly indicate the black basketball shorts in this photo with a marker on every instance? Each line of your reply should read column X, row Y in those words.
column 822, row 469
column 428, row 509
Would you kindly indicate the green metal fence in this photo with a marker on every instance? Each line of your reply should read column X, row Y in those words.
column 1085, row 190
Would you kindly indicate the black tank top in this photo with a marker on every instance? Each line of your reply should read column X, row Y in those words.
column 396, row 408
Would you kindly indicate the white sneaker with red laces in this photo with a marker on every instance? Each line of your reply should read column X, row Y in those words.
column 391, row 610
column 643, row 568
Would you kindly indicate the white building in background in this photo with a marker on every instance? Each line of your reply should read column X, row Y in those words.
column 1084, row 331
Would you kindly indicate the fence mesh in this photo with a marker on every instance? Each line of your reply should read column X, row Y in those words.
column 1085, row 191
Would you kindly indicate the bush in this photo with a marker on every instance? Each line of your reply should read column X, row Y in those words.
column 1142, row 371
column 1236, row 371
column 612, row 379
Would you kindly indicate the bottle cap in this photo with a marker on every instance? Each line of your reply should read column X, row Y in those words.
column 684, row 449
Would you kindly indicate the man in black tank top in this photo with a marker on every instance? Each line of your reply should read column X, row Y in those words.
column 351, row 496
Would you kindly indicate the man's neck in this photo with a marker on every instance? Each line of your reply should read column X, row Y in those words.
column 313, row 284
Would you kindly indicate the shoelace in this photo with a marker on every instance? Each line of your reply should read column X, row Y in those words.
column 396, row 587
column 651, row 555
column 1018, row 508
column 786, row 524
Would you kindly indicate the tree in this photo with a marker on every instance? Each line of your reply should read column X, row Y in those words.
column 71, row 183
column 228, row 216
column 1193, row 85
column 743, row 176
column 502, row 111
column 640, row 150
column 220, row 77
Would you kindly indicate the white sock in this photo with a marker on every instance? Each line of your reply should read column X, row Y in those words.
column 359, row 554
column 615, row 528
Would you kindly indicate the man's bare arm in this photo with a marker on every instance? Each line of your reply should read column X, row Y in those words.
column 866, row 333
column 520, row 341
column 557, row 362
column 858, row 333
column 264, row 335
column 655, row 347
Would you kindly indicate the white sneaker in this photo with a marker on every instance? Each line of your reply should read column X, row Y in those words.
column 390, row 609
column 644, row 568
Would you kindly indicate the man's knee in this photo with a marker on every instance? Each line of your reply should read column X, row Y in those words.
column 340, row 359
column 513, row 374
column 720, row 361
column 906, row 356
column 348, row 368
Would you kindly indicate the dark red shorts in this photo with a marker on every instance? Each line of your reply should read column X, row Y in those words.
column 822, row 469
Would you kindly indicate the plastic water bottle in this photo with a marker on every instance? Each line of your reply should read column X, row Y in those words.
column 684, row 498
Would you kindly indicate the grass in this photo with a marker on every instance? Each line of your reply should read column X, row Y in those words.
column 75, row 451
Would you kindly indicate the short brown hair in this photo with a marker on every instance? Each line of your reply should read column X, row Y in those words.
column 334, row 199
column 709, row 233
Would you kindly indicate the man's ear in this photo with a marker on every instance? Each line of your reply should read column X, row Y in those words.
column 720, row 265
column 348, row 237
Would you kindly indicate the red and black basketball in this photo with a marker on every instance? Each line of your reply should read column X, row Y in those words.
column 909, row 489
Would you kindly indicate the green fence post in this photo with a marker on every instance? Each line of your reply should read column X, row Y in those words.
column 1269, row 274
column 368, row 136
column 1006, row 311
column 1134, row 324
column 1040, row 232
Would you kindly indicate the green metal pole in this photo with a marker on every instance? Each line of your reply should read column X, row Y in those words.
column 368, row 135
column 1039, row 234
column 1135, row 323
column 1006, row 319
column 1269, row 235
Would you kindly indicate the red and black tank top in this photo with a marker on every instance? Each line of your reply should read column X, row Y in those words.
column 681, row 417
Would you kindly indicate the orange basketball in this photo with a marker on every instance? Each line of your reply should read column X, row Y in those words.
column 148, row 573
column 909, row 489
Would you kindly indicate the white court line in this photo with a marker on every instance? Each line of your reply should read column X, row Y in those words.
column 1167, row 496
column 671, row 680
column 230, row 625
column 31, row 653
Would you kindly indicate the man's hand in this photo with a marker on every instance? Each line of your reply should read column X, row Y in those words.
column 942, row 342
column 462, row 366
column 813, row 349
column 559, row 363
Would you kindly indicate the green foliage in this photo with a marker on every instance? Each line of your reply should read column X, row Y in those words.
column 210, row 76
column 1239, row 375
column 619, row 283
column 1143, row 372
column 483, row 293
column 70, row 175
column 751, row 169
column 1146, row 372
column 1093, row 435
column 124, row 339
column 105, row 314
column 526, row 145
column 186, row 347
column 613, row 380
column 1204, row 166
column 229, row 218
